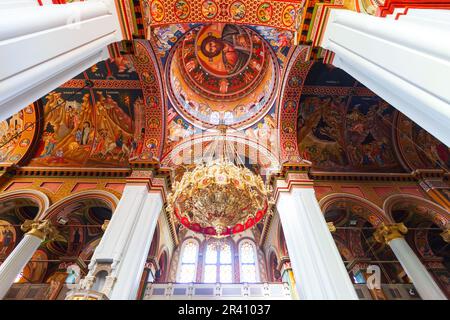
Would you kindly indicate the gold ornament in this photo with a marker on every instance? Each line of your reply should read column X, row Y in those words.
column 219, row 199
column 387, row 233
column 44, row 230
column 105, row 225
column 331, row 227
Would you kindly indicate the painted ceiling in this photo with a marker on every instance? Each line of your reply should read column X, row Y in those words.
column 222, row 74
column 343, row 126
column 172, row 92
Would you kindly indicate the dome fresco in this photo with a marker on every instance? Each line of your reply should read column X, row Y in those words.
column 222, row 73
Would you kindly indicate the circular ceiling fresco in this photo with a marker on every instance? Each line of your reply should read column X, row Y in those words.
column 222, row 74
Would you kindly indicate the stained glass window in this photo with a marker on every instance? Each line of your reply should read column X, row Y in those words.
column 218, row 263
column 247, row 257
column 210, row 273
column 188, row 267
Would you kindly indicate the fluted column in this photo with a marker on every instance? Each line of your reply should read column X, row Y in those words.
column 123, row 249
column 318, row 268
column 132, row 267
column 392, row 235
column 36, row 232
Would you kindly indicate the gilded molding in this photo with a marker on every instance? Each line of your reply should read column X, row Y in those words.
column 105, row 225
column 43, row 230
column 331, row 227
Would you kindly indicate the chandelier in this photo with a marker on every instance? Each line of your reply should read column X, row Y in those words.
column 219, row 198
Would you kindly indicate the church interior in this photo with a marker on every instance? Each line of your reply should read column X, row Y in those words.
column 249, row 149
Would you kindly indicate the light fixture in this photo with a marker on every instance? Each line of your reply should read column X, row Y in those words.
column 219, row 198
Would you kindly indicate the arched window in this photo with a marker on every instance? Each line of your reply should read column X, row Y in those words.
column 247, row 256
column 218, row 263
column 188, row 266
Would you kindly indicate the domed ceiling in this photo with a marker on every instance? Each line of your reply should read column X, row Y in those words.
column 222, row 74
column 343, row 126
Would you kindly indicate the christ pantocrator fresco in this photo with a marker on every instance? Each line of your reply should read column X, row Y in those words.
column 222, row 73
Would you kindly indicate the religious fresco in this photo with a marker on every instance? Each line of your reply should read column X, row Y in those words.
column 8, row 238
column 93, row 127
column 222, row 74
column 14, row 143
column 178, row 129
column 342, row 126
column 280, row 40
column 166, row 36
column 85, row 222
column 419, row 149
column 265, row 133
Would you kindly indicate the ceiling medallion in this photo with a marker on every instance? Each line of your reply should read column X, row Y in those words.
column 219, row 198
column 222, row 73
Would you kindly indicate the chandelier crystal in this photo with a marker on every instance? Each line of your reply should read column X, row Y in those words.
column 219, row 199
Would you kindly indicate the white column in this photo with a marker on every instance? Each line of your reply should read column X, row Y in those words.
column 406, row 62
column 42, row 47
column 416, row 271
column 422, row 279
column 117, row 234
column 124, row 246
column 16, row 261
column 130, row 271
column 317, row 265
column 37, row 231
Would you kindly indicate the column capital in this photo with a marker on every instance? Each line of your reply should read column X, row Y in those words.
column 43, row 230
column 446, row 235
column 386, row 233
column 331, row 227
column 105, row 225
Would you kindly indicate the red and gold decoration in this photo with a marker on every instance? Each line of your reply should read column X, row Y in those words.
column 222, row 73
column 219, row 199
column 17, row 133
column 277, row 14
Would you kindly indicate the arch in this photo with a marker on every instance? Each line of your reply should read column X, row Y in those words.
column 100, row 280
column 219, row 263
column 255, row 151
column 89, row 249
column 180, row 259
column 37, row 197
column 107, row 197
column 256, row 261
column 441, row 216
column 271, row 253
column 376, row 216
column 288, row 103
column 146, row 63
column 163, row 264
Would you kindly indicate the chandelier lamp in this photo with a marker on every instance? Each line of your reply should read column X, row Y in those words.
column 219, row 198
